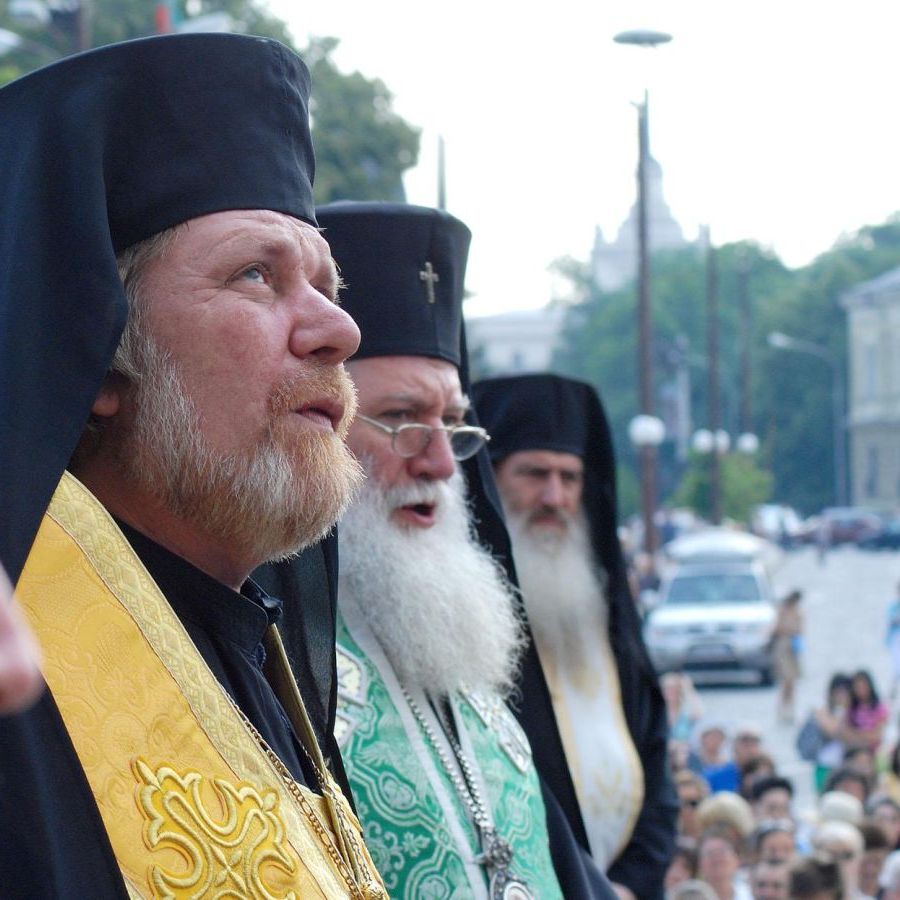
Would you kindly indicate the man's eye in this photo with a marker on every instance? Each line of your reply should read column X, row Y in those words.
column 397, row 415
column 254, row 273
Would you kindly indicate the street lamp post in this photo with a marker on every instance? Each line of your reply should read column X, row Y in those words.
column 646, row 451
column 713, row 385
column 785, row 342
column 647, row 433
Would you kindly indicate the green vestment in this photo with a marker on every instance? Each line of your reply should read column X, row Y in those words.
column 418, row 830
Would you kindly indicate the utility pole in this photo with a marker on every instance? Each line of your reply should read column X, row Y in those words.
column 715, row 402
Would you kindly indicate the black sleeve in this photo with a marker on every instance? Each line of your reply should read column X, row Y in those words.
column 578, row 875
column 53, row 845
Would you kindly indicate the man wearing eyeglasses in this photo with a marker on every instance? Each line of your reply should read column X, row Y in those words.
column 430, row 637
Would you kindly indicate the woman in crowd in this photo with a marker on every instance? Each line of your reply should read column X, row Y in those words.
column 727, row 811
column 720, row 862
column 774, row 841
column 875, row 852
column 867, row 715
column 682, row 705
column 683, row 866
column 832, row 719
column 844, row 844
column 816, row 878
column 884, row 812
column 786, row 638
column 692, row 790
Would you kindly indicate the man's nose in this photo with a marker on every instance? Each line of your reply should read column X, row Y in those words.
column 323, row 331
column 436, row 460
column 552, row 491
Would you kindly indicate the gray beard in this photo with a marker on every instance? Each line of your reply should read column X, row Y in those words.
column 438, row 603
column 273, row 500
column 564, row 588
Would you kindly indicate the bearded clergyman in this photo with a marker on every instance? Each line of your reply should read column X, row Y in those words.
column 553, row 458
column 172, row 407
column 430, row 640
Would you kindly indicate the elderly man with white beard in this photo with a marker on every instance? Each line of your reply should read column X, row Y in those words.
column 430, row 640
column 553, row 458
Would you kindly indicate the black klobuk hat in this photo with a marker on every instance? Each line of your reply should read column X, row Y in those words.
column 98, row 152
column 404, row 269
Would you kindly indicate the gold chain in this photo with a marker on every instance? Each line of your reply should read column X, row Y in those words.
column 364, row 887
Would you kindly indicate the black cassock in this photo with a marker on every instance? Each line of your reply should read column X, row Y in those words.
column 551, row 412
column 52, row 840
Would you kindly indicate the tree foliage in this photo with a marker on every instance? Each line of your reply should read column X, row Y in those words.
column 744, row 485
column 362, row 146
column 791, row 392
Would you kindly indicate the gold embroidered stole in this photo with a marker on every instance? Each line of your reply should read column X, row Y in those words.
column 193, row 806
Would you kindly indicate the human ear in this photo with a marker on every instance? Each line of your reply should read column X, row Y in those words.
column 107, row 402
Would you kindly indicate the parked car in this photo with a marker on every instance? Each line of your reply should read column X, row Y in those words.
column 713, row 615
column 887, row 537
column 847, row 524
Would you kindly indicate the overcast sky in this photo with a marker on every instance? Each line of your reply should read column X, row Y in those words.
column 773, row 121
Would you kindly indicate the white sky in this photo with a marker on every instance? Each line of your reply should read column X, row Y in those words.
column 775, row 120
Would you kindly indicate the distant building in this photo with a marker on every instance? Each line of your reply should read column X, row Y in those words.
column 614, row 264
column 873, row 407
column 515, row 342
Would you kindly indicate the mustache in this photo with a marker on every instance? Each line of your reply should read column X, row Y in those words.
column 417, row 492
column 319, row 383
column 550, row 512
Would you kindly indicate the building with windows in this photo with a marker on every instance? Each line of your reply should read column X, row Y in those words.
column 514, row 343
column 873, row 401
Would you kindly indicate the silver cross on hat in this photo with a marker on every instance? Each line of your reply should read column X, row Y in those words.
column 431, row 278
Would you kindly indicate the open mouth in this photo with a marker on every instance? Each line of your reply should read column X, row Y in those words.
column 419, row 514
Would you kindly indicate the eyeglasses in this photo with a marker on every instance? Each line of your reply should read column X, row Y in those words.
column 412, row 438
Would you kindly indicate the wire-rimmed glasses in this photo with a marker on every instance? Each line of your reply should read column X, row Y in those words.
column 411, row 438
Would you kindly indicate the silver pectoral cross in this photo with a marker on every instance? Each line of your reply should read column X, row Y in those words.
column 431, row 278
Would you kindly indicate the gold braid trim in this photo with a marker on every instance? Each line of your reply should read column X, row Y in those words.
column 154, row 730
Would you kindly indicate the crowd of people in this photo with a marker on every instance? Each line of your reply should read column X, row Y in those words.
column 740, row 833
column 465, row 707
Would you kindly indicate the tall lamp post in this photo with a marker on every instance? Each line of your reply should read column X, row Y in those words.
column 647, row 433
column 785, row 342
column 646, row 450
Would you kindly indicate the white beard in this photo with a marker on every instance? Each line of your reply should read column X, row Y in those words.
column 438, row 603
column 563, row 587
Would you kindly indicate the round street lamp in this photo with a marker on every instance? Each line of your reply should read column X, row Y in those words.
column 703, row 441
column 646, row 431
column 748, row 443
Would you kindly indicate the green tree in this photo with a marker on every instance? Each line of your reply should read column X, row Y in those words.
column 362, row 146
column 791, row 392
column 744, row 486
column 599, row 340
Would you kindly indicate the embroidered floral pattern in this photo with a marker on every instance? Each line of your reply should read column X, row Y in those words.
column 225, row 853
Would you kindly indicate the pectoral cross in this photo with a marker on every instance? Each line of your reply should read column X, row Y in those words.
column 431, row 278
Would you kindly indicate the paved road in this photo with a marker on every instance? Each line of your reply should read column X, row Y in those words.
column 845, row 604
